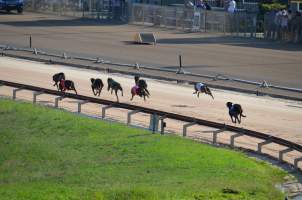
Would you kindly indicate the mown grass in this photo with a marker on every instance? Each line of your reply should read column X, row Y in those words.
column 51, row 154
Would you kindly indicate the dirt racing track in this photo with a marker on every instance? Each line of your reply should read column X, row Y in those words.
column 274, row 117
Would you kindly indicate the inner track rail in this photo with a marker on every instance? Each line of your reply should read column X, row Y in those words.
column 244, row 132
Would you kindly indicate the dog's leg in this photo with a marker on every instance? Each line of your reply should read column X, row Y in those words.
column 132, row 97
column 93, row 90
column 147, row 91
column 239, row 118
column 232, row 119
column 116, row 95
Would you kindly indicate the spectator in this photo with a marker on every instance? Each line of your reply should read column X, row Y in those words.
column 284, row 25
column 277, row 22
column 116, row 9
column 189, row 4
column 200, row 4
column 207, row 5
column 232, row 6
column 299, row 28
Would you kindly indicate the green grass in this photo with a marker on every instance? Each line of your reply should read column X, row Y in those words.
column 51, row 154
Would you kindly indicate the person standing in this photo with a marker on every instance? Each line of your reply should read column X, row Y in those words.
column 232, row 6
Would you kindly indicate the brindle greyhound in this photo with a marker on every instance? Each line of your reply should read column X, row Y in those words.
column 67, row 85
column 138, row 91
column 96, row 86
column 57, row 78
column 142, row 84
column 113, row 85
column 235, row 110
column 202, row 88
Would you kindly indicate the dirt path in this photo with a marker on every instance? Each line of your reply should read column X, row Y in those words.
column 272, row 116
column 203, row 53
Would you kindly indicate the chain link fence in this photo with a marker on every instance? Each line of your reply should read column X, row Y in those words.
column 96, row 9
column 291, row 31
column 192, row 19
column 240, row 23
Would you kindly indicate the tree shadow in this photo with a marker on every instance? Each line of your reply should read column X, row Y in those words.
column 234, row 41
column 64, row 22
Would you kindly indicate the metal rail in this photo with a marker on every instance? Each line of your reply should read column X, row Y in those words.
column 242, row 131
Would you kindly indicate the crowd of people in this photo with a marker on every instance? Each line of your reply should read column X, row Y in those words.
column 283, row 25
column 200, row 4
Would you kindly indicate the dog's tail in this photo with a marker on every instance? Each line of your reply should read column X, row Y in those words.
column 242, row 115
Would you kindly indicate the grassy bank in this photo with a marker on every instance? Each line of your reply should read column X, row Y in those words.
column 50, row 154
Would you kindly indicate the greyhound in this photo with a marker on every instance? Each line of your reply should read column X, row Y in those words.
column 142, row 84
column 113, row 85
column 202, row 88
column 235, row 110
column 96, row 86
column 67, row 85
column 57, row 78
column 138, row 91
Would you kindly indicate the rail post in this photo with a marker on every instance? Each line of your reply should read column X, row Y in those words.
column 261, row 144
column 162, row 124
column 153, row 123
column 80, row 105
column 30, row 41
column 130, row 113
column 233, row 138
column 185, row 127
column 15, row 92
column 35, row 94
column 64, row 56
column 57, row 99
column 215, row 133
column 180, row 69
column 296, row 161
column 282, row 152
column 35, row 51
column 104, row 110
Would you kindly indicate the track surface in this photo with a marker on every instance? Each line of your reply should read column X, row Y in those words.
column 271, row 116
column 202, row 53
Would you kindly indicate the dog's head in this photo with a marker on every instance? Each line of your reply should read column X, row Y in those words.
column 109, row 80
column 136, row 78
column 229, row 104
column 92, row 80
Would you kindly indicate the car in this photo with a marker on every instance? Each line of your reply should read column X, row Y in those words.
column 9, row 5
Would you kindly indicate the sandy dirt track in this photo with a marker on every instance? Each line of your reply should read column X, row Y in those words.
column 202, row 52
column 272, row 116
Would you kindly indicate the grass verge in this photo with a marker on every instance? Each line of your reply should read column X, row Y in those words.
column 51, row 154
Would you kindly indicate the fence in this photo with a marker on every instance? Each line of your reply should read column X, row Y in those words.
column 193, row 19
column 290, row 31
column 96, row 9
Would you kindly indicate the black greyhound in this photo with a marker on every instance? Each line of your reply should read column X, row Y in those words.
column 67, row 85
column 113, row 85
column 96, row 86
column 202, row 88
column 235, row 110
column 142, row 84
column 57, row 78
column 138, row 91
